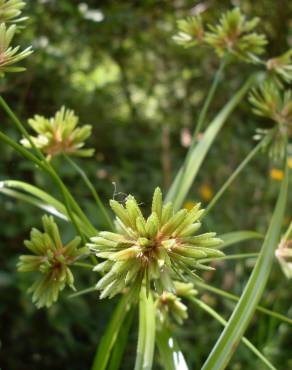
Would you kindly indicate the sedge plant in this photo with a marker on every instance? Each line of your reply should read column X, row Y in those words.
column 154, row 262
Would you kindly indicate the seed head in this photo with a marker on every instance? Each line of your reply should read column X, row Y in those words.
column 153, row 249
column 59, row 134
column 50, row 260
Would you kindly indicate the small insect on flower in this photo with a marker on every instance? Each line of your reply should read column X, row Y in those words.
column 9, row 55
column 10, row 9
column 191, row 31
column 59, row 134
column 153, row 249
column 169, row 306
column 51, row 260
column 234, row 35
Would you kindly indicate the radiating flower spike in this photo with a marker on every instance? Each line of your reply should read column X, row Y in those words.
column 234, row 35
column 153, row 250
column 51, row 260
column 190, row 31
column 10, row 9
column 60, row 134
column 9, row 55
column 280, row 68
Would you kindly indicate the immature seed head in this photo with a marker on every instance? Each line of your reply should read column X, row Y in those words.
column 155, row 249
column 235, row 35
column 60, row 134
column 169, row 306
column 50, row 260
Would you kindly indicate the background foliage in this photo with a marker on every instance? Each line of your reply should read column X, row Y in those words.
column 116, row 65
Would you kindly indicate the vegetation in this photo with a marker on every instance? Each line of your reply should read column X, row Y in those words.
column 191, row 99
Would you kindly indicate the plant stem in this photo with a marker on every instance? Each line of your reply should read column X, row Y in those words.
column 146, row 336
column 244, row 310
column 223, row 322
column 230, row 257
column 233, row 176
column 234, row 298
column 209, row 98
column 92, row 190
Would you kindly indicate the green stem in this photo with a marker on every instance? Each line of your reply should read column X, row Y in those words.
column 146, row 336
column 26, row 154
column 209, row 98
column 230, row 257
column 244, row 310
column 223, row 322
column 68, row 199
column 92, row 190
column 20, row 127
column 233, row 297
column 233, row 176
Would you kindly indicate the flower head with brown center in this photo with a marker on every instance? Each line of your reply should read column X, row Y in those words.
column 153, row 249
column 234, row 35
column 60, row 134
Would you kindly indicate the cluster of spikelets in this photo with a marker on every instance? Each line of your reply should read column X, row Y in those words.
column 272, row 102
column 155, row 249
column 169, row 306
column 233, row 35
column 50, row 260
column 9, row 55
column 60, row 134
column 284, row 253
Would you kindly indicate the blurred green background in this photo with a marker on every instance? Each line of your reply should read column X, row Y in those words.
column 115, row 64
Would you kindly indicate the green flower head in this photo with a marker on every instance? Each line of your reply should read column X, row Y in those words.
column 10, row 9
column 51, row 260
column 153, row 249
column 234, row 35
column 284, row 256
column 271, row 102
column 59, row 134
column 169, row 306
column 9, row 55
column 191, row 31
column 280, row 68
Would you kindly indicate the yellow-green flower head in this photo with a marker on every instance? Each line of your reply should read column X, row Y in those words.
column 9, row 55
column 284, row 256
column 271, row 102
column 60, row 134
column 234, row 35
column 280, row 68
column 10, row 9
column 191, row 31
column 169, row 306
column 51, row 260
column 154, row 249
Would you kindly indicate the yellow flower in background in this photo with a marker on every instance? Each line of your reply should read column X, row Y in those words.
column 189, row 204
column 206, row 192
column 276, row 174
column 290, row 162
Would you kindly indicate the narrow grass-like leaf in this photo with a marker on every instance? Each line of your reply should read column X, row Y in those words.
column 146, row 335
column 232, row 297
column 187, row 173
column 108, row 340
column 243, row 312
column 40, row 199
column 170, row 353
column 238, row 237
column 223, row 322
column 121, row 343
